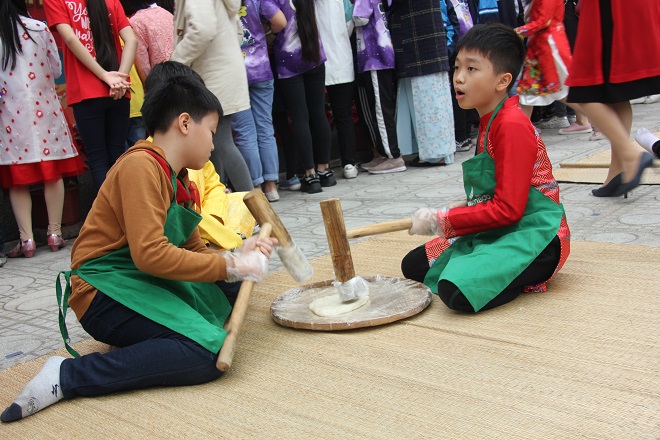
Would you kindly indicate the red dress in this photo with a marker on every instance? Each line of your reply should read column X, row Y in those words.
column 617, row 51
column 545, row 32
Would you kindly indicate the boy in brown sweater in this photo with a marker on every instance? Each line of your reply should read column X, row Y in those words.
column 142, row 278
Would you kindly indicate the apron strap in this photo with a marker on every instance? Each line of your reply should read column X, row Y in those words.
column 63, row 306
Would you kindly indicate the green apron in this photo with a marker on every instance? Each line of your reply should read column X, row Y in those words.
column 196, row 310
column 482, row 265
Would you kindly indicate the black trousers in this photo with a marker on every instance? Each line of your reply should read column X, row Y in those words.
column 341, row 103
column 304, row 97
column 378, row 104
column 103, row 126
column 415, row 266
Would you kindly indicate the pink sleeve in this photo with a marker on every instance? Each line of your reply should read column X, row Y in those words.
column 142, row 53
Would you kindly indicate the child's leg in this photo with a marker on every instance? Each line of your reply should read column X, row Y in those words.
column 384, row 101
column 415, row 264
column 314, row 81
column 261, row 101
column 341, row 102
column 293, row 94
column 21, row 205
column 137, row 131
column 245, row 137
column 54, row 196
column 648, row 141
column 539, row 271
column 367, row 116
column 90, row 119
column 116, row 128
column 149, row 354
column 226, row 158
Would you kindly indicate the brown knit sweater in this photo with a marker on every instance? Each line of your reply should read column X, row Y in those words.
column 130, row 210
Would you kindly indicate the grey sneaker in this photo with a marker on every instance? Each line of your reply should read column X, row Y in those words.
column 373, row 162
column 389, row 166
column 555, row 122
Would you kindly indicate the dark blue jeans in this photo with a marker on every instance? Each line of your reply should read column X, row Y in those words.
column 149, row 354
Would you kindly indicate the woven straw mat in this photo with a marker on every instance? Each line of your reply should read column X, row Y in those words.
column 582, row 360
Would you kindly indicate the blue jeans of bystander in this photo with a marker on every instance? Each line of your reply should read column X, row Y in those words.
column 254, row 135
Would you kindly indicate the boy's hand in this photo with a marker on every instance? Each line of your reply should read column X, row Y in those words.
column 246, row 266
column 458, row 204
column 264, row 244
column 425, row 222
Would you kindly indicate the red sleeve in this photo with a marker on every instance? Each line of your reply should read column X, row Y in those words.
column 56, row 13
column 514, row 149
column 544, row 11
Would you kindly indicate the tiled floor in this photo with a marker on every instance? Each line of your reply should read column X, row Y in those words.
column 28, row 313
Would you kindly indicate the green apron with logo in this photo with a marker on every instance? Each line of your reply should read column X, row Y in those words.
column 196, row 310
column 482, row 265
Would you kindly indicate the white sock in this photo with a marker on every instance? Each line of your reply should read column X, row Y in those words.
column 42, row 391
column 646, row 139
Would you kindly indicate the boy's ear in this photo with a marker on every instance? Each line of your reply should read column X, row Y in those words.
column 503, row 81
column 183, row 123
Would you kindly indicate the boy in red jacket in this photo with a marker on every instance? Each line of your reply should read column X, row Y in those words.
column 510, row 235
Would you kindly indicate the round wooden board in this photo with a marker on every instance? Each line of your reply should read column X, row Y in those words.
column 390, row 299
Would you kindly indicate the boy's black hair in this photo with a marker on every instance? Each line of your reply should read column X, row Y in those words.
column 171, row 89
column 499, row 44
column 166, row 70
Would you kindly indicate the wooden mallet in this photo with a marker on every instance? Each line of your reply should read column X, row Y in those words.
column 291, row 255
column 235, row 322
column 350, row 286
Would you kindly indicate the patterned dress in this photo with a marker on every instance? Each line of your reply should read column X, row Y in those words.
column 35, row 142
column 548, row 57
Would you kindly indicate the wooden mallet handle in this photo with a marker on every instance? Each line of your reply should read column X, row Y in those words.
column 340, row 250
column 261, row 210
column 380, row 228
column 235, row 322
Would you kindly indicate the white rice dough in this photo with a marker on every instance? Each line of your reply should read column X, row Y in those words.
column 333, row 305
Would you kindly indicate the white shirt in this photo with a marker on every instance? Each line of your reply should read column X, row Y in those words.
column 333, row 30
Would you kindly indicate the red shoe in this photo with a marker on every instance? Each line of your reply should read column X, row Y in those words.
column 23, row 249
column 56, row 242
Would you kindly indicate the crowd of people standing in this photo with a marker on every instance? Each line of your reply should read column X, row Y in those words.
column 275, row 63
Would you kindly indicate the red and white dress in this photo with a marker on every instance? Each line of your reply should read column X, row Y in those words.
column 35, row 142
column 548, row 57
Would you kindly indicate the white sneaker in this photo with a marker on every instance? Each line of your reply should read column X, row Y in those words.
column 272, row 196
column 638, row 100
column 350, row 171
column 651, row 99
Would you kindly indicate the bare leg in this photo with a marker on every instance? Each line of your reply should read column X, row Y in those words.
column 21, row 204
column 54, row 195
column 615, row 121
column 580, row 118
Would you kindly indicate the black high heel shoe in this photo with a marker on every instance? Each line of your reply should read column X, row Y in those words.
column 645, row 162
column 608, row 190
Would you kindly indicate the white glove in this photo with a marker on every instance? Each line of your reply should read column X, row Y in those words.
column 425, row 222
column 248, row 266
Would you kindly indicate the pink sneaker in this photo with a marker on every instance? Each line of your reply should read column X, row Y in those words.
column 596, row 136
column 576, row 128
